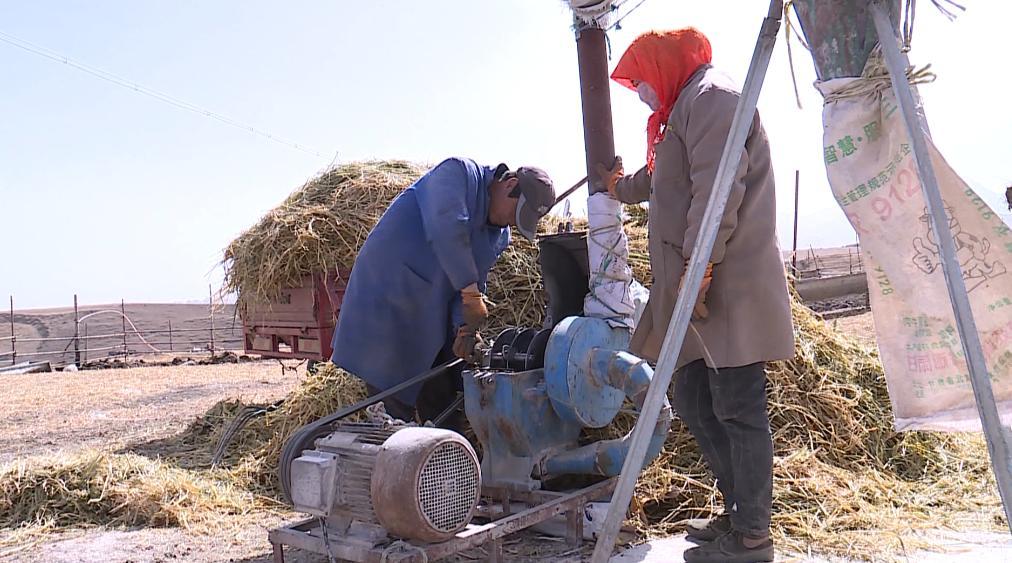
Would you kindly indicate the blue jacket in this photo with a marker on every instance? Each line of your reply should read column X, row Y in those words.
column 402, row 303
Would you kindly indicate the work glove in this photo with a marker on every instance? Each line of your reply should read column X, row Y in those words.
column 465, row 346
column 473, row 306
column 699, row 310
column 611, row 176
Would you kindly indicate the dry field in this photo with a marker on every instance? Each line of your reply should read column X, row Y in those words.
column 826, row 262
column 125, row 410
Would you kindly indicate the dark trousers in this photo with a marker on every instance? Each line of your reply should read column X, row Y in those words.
column 725, row 410
column 434, row 396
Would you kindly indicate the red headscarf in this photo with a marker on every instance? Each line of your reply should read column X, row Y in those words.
column 665, row 60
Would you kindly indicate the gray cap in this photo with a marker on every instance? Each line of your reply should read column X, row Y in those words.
column 537, row 196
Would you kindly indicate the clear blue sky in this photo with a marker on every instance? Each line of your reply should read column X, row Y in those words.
column 111, row 194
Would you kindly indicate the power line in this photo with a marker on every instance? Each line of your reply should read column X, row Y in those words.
column 150, row 92
column 617, row 23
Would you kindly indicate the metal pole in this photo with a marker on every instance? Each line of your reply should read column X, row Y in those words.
column 210, row 310
column 77, row 334
column 122, row 312
column 595, row 94
column 14, row 337
column 79, row 364
column 675, row 335
column 170, row 335
column 995, row 434
column 794, row 247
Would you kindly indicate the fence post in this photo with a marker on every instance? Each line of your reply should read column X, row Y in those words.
column 170, row 335
column 85, row 344
column 14, row 348
column 122, row 312
column 77, row 335
column 794, row 248
column 210, row 310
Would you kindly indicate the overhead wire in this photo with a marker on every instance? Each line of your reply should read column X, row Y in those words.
column 617, row 24
column 150, row 92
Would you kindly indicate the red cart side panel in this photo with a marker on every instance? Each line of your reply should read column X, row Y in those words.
column 300, row 322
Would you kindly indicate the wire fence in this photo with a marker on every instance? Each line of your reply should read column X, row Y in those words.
column 824, row 263
column 216, row 332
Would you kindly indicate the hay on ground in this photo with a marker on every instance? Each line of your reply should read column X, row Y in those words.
column 94, row 488
column 844, row 482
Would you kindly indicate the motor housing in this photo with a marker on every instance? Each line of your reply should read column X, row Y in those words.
column 413, row 482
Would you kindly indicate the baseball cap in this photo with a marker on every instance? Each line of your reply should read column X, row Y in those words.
column 536, row 198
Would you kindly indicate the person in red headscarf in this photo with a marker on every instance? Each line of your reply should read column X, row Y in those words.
column 742, row 315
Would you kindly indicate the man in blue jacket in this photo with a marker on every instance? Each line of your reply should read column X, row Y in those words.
column 415, row 297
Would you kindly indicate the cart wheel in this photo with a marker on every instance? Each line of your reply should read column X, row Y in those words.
column 311, row 366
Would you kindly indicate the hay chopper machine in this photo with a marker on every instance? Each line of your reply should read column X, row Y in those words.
column 385, row 492
column 382, row 491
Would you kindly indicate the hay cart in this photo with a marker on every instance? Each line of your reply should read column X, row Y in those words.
column 299, row 323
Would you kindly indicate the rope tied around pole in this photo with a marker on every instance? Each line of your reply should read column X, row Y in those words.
column 875, row 78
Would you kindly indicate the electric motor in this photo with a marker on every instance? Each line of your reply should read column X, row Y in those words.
column 416, row 482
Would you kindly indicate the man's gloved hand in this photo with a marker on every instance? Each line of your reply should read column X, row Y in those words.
column 611, row 176
column 473, row 306
column 699, row 310
column 466, row 344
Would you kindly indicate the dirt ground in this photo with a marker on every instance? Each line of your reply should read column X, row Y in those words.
column 860, row 327
column 50, row 412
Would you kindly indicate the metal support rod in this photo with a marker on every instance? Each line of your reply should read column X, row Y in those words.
column 570, row 191
column 675, row 336
column 14, row 337
column 995, row 434
column 170, row 335
column 595, row 94
column 80, row 363
column 122, row 314
column 210, row 314
column 77, row 335
column 794, row 247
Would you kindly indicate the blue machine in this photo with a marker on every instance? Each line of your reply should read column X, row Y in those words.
column 540, row 389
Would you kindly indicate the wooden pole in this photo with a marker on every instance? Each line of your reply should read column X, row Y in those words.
column 14, row 348
column 77, row 335
column 840, row 33
column 210, row 311
column 122, row 312
column 794, row 247
column 595, row 95
column 170, row 335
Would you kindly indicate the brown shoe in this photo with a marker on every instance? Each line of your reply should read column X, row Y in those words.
column 709, row 530
column 730, row 548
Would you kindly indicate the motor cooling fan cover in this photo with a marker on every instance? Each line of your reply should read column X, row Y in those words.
column 426, row 484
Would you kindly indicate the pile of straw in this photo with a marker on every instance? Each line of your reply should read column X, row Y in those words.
column 94, row 488
column 844, row 481
column 258, row 447
column 319, row 227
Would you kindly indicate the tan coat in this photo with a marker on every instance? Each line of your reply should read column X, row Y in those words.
column 750, row 314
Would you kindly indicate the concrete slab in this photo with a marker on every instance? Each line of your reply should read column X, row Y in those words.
column 953, row 547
